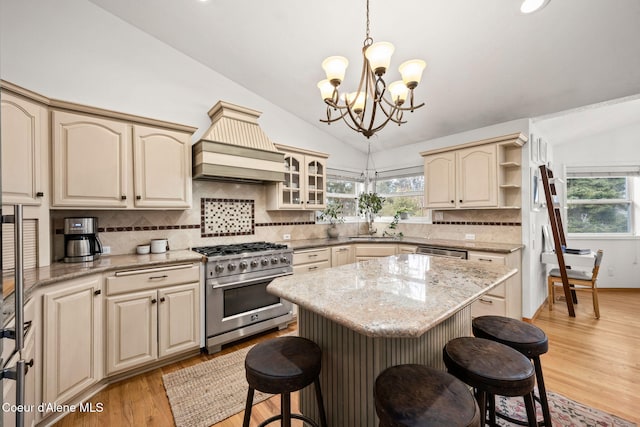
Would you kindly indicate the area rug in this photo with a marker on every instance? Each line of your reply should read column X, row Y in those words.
column 209, row 392
column 564, row 413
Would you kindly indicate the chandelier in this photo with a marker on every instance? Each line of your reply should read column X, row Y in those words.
column 374, row 103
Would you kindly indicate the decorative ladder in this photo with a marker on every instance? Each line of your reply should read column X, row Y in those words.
column 553, row 207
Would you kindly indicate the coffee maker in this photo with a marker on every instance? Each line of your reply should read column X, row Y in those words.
column 81, row 243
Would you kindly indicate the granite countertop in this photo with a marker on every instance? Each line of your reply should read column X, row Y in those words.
column 395, row 297
column 438, row 243
column 60, row 271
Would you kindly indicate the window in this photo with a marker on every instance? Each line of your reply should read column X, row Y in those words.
column 345, row 190
column 601, row 201
column 402, row 194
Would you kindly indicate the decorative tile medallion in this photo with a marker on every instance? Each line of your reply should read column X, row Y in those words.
column 227, row 217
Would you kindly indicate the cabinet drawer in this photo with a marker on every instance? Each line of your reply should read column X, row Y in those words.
column 375, row 250
column 315, row 256
column 489, row 305
column 488, row 258
column 152, row 278
column 307, row 267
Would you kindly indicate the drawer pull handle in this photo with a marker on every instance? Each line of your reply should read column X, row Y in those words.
column 315, row 267
column 485, row 301
column 123, row 197
column 485, row 259
column 164, row 276
column 343, row 249
column 312, row 255
column 98, row 292
column 39, row 194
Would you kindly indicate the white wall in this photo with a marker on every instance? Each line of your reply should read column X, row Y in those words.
column 620, row 268
column 75, row 51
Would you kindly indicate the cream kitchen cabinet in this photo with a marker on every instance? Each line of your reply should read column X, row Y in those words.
column 72, row 338
column 108, row 163
column 305, row 181
column 367, row 251
column 25, row 130
column 464, row 178
column 506, row 298
column 342, row 255
column 151, row 314
column 311, row 260
column 407, row 249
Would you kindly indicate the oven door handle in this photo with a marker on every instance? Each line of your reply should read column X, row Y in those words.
column 251, row 281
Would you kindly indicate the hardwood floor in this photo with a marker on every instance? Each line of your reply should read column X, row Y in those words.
column 592, row 361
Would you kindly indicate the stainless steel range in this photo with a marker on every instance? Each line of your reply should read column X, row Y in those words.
column 237, row 303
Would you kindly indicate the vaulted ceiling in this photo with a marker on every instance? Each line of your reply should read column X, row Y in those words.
column 487, row 62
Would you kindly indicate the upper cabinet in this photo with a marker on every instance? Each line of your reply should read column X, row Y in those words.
column 24, row 143
column 107, row 163
column 483, row 174
column 305, row 181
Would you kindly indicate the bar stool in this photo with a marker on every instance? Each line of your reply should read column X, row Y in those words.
column 281, row 366
column 491, row 368
column 528, row 339
column 418, row 396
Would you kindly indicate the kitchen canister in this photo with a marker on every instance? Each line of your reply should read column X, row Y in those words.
column 158, row 246
column 142, row 249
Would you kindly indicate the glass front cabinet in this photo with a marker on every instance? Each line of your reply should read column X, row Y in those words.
column 305, row 181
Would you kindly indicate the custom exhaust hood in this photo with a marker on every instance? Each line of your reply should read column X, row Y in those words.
column 235, row 148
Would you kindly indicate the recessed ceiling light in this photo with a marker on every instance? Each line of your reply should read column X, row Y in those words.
column 530, row 6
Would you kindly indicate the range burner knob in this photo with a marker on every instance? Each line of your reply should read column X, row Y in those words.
column 254, row 263
column 274, row 260
column 264, row 261
column 231, row 267
column 243, row 265
column 284, row 260
column 219, row 268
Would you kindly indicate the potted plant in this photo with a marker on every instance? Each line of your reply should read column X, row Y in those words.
column 392, row 226
column 333, row 214
column 369, row 204
column 403, row 212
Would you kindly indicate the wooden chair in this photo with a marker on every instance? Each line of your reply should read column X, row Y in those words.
column 577, row 280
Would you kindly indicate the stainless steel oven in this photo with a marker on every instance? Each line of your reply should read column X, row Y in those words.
column 237, row 303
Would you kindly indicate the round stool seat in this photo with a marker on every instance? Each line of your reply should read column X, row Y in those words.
column 283, row 365
column 490, row 366
column 416, row 395
column 528, row 339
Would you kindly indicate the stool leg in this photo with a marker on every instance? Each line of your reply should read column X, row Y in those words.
column 247, row 408
column 323, row 416
column 542, row 391
column 491, row 403
column 285, row 408
column 481, row 397
column 531, row 409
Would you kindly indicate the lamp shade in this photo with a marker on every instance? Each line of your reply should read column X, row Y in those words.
column 411, row 72
column 399, row 92
column 379, row 56
column 358, row 100
column 326, row 89
column 335, row 67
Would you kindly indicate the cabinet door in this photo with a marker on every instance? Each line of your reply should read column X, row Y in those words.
column 341, row 255
column 439, row 180
column 24, row 135
column 162, row 168
column 477, row 182
column 315, row 182
column 178, row 319
column 290, row 192
column 72, row 328
column 132, row 330
column 90, row 161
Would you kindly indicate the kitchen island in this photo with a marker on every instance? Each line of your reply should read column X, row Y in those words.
column 378, row 313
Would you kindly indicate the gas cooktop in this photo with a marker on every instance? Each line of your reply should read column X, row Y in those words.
column 239, row 248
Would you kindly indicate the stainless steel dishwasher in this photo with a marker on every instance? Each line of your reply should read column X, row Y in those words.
column 441, row 252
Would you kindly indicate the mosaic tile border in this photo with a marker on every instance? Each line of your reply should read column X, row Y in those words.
column 517, row 224
column 205, row 205
column 60, row 231
column 277, row 224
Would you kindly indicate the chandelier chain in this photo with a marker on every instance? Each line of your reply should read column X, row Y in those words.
column 368, row 22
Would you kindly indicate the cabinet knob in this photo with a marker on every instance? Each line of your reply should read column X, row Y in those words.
column 153, row 301
column 123, row 197
column 161, row 299
column 97, row 292
column 39, row 194
column 138, row 197
column 453, row 201
column 460, row 200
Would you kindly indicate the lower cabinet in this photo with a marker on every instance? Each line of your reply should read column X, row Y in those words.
column 506, row 298
column 72, row 338
column 151, row 314
column 311, row 259
column 341, row 255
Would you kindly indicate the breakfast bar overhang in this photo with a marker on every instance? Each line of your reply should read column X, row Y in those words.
column 378, row 313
